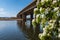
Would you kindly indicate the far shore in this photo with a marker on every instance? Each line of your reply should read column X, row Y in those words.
column 9, row 19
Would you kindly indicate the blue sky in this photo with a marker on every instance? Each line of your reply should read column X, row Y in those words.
column 10, row 8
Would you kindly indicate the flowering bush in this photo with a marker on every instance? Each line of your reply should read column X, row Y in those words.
column 47, row 14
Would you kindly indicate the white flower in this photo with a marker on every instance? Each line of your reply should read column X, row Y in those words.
column 44, row 33
column 52, row 21
column 55, row 9
column 33, row 20
column 36, row 10
column 59, row 21
column 58, row 14
column 42, row 1
column 51, row 24
column 51, row 27
column 38, row 15
column 58, row 0
column 45, row 29
column 46, row 0
column 42, row 16
column 40, row 9
column 38, row 18
column 59, row 29
column 40, row 34
column 59, row 35
column 54, row 2
column 46, row 10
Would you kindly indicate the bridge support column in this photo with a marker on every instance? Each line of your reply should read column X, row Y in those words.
column 31, row 17
column 24, row 19
column 21, row 16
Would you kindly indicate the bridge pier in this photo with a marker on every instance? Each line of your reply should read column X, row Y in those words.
column 24, row 19
column 21, row 16
column 31, row 17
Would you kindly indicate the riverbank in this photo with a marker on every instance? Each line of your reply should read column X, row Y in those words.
column 9, row 19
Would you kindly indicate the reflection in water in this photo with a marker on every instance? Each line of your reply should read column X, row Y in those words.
column 29, row 31
column 18, row 30
column 10, row 31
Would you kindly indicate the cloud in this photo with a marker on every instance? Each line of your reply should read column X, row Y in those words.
column 4, row 13
column 1, row 9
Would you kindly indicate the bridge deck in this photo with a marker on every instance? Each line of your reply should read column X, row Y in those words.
column 28, row 9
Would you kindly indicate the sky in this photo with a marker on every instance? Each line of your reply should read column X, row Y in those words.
column 10, row 8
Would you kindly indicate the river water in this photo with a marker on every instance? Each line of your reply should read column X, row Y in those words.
column 15, row 30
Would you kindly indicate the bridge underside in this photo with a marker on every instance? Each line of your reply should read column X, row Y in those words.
column 27, row 11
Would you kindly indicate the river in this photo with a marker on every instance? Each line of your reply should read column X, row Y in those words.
column 15, row 30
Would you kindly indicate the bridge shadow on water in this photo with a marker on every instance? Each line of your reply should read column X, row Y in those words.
column 28, row 30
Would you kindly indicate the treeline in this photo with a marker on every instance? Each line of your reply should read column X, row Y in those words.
column 8, row 18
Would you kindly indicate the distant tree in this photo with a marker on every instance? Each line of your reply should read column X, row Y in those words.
column 47, row 14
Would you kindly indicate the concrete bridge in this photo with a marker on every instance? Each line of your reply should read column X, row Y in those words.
column 27, row 11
